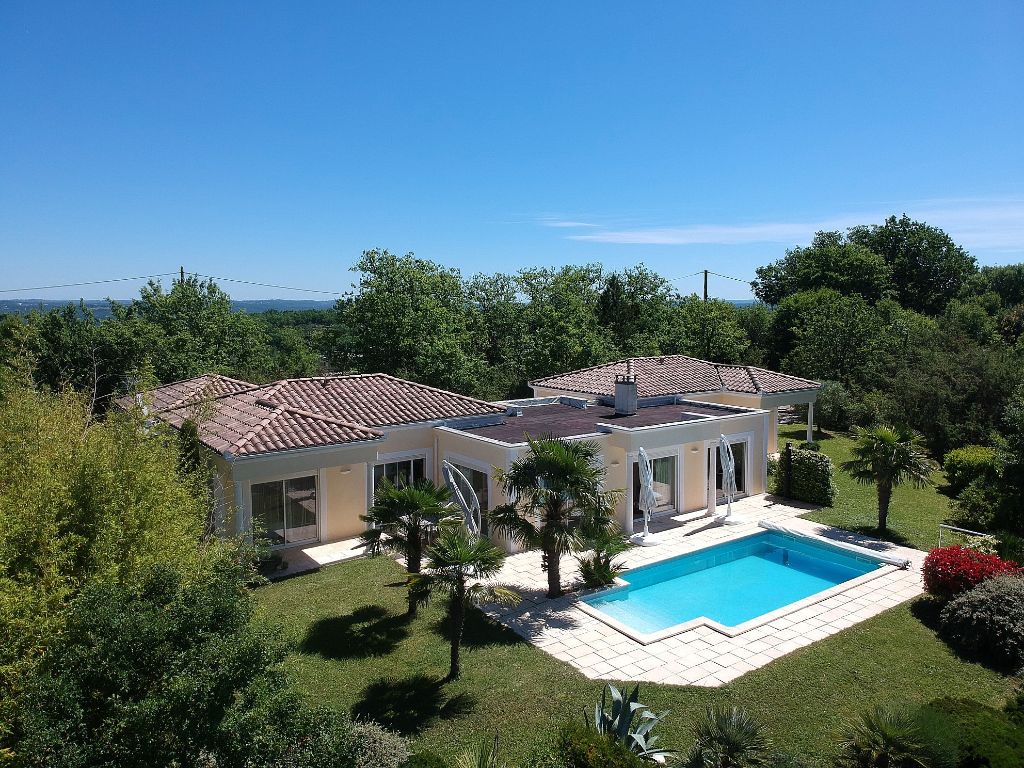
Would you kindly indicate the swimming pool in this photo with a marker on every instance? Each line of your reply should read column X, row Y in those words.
column 731, row 587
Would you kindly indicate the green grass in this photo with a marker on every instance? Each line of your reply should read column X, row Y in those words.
column 914, row 513
column 354, row 651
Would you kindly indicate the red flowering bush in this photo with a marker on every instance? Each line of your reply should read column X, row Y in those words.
column 948, row 571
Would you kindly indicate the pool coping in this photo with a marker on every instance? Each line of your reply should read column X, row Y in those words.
column 647, row 638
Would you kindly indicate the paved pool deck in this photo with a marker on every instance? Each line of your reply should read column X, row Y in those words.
column 699, row 656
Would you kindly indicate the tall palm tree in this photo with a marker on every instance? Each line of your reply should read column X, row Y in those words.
column 456, row 563
column 558, row 504
column 404, row 518
column 888, row 457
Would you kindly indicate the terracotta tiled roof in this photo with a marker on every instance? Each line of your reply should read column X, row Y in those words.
column 243, row 424
column 189, row 392
column 675, row 375
column 375, row 399
column 242, row 419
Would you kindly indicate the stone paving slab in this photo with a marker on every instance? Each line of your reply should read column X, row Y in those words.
column 700, row 656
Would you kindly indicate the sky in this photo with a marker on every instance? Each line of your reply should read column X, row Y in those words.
column 274, row 142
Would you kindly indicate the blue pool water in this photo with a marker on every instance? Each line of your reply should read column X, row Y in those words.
column 729, row 583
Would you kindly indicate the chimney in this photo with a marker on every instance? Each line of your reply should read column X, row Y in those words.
column 625, row 392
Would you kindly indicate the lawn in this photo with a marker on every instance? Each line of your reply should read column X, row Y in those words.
column 914, row 514
column 355, row 651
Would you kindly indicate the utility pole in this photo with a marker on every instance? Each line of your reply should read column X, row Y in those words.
column 705, row 282
column 705, row 285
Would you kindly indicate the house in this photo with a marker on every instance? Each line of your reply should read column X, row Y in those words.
column 298, row 460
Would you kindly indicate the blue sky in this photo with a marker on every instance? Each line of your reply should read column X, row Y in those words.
column 276, row 141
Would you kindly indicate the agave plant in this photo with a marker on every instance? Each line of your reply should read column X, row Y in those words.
column 627, row 721
column 728, row 737
column 486, row 756
column 883, row 738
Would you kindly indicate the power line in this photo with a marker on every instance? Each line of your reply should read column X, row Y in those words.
column 268, row 285
column 169, row 274
column 91, row 282
column 728, row 277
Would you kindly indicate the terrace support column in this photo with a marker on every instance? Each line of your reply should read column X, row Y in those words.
column 810, row 422
column 712, row 453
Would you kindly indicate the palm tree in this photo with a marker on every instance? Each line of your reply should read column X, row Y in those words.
column 883, row 738
column 888, row 457
column 558, row 502
column 455, row 564
column 404, row 518
column 727, row 737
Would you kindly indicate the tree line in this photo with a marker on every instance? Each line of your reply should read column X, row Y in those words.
column 897, row 318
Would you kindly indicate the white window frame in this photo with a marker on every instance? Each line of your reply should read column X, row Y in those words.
column 674, row 451
column 426, row 454
column 748, row 469
column 317, row 475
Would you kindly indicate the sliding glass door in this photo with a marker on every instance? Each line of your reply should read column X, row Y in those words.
column 285, row 511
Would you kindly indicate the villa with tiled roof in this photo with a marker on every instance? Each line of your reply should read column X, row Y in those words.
column 298, row 460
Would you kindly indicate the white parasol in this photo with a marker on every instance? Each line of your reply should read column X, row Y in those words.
column 728, row 472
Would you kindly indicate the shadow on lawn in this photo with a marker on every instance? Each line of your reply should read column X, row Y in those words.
column 480, row 630
column 408, row 705
column 368, row 631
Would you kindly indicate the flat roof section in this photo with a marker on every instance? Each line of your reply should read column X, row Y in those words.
column 559, row 420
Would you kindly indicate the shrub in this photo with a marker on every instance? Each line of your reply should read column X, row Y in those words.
column 810, row 445
column 805, row 476
column 377, row 747
column 833, row 406
column 1010, row 546
column 972, row 734
column 948, row 571
column 988, row 621
column 975, row 507
column 581, row 747
column 972, row 462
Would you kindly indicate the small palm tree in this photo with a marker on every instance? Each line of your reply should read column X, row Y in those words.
column 888, row 457
column 455, row 564
column 559, row 504
column 728, row 737
column 883, row 738
column 404, row 519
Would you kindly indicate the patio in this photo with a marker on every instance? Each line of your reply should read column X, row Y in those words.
column 700, row 656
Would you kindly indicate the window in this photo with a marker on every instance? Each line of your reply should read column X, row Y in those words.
column 404, row 472
column 664, row 485
column 285, row 510
column 478, row 480
column 739, row 456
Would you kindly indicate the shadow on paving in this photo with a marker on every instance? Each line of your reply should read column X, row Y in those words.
column 879, row 540
column 368, row 631
column 408, row 705
column 480, row 630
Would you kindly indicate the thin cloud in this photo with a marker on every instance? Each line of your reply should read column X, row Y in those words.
column 563, row 224
column 982, row 224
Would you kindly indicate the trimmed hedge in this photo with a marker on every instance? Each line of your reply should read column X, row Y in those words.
column 988, row 622
column 971, row 462
column 805, row 476
column 948, row 571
